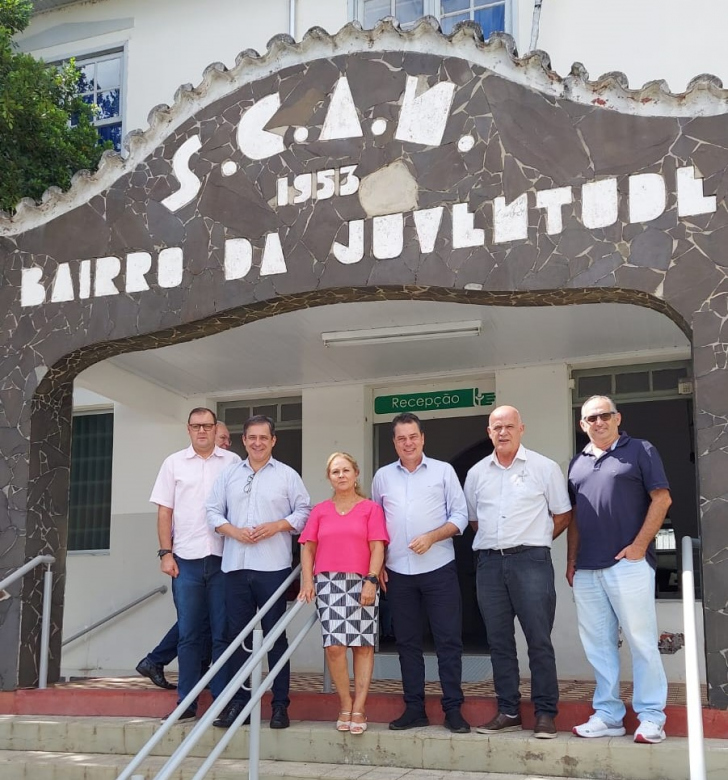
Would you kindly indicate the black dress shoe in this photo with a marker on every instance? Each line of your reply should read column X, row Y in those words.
column 155, row 673
column 409, row 719
column 455, row 722
column 229, row 715
column 279, row 718
column 188, row 714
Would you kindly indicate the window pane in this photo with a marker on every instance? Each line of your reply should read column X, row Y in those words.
column 111, row 133
column 448, row 23
column 235, row 415
column 408, row 10
column 491, row 19
column 448, row 6
column 667, row 378
column 268, row 411
column 594, row 385
column 86, row 77
column 291, row 412
column 89, row 510
column 639, row 382
column 374, row 10
column 108, row 103
column 108, row 73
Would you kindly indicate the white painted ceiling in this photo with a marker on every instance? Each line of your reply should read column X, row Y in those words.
column 287, row 351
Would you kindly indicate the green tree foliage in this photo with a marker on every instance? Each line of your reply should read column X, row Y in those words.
column 46, row 130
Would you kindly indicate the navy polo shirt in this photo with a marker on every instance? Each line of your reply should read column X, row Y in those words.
column 611, row 496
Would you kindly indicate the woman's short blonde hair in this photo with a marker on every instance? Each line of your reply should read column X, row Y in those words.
column 354, row 465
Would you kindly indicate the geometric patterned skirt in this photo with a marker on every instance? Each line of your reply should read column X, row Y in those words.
column 343, row 619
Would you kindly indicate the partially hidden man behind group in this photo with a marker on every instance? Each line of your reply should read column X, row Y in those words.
column 231, row 550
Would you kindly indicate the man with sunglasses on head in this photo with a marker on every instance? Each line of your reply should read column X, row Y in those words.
column 256, row 506
column 192, row 554
column 518, row 504
column 621, row 496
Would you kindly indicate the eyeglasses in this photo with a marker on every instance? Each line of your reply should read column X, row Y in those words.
column 603, row 416
column 249, row 484
column 201, row 426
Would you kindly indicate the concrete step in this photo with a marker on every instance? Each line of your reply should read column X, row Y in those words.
column 35, row 765
column 432, row 748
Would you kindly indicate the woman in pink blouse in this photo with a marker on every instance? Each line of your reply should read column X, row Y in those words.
column 343, row 552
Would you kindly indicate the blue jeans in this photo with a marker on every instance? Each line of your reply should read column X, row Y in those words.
column 199, row 595
column 522, row 586
column 622, row 595
column 438, row 594
column 245, row 592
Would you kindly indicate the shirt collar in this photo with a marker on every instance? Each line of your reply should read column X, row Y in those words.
column 190, row 453
column 620, row 441
column 423, row 463
column 272, row 462
column 521, row 454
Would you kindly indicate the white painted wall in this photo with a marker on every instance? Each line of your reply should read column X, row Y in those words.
column 149, row 424
column 646, row 39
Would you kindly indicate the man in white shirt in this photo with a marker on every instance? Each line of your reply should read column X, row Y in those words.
column 256, row 506
column 424, row 507
column 517, row 503
column 192, row 555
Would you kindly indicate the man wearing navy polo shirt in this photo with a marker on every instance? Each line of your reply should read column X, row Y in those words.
column 620, row 495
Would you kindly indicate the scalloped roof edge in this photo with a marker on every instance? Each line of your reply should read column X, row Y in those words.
column 704, row 95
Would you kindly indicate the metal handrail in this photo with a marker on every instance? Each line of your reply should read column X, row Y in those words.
column 256, row 694
column 115, row 613
column 45, row 628
column 696, row 748
column 224, row 698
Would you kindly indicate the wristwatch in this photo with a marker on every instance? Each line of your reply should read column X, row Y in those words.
column 161, row 553
column 372, row 578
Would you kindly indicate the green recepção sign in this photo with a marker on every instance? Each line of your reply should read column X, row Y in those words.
column 426, row 402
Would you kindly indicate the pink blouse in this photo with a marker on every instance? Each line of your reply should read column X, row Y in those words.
column 343, row 540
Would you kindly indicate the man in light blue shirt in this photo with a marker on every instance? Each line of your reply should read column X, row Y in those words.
column 424, row 507
column 256, row 506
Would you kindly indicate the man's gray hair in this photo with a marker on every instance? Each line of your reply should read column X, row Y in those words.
column 612, row 405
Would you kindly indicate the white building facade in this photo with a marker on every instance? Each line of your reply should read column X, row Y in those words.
column 327, row 396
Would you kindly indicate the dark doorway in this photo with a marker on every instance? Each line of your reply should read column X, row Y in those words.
column 462, row 442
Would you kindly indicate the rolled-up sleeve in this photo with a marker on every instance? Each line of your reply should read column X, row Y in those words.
column 300, row 502
column 457, row 508
column 216, row 506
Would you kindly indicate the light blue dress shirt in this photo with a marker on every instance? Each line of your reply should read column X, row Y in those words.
column 417, row 502
column 246, row 498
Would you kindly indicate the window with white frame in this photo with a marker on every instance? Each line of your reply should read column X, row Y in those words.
column 491, row 15
column 100, row 84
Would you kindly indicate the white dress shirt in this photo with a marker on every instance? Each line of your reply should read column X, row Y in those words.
column 414, row 503
column 183, row 484
column 246, row 498
column 514, row 505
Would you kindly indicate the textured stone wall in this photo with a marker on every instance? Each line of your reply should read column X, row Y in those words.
column 428, row 169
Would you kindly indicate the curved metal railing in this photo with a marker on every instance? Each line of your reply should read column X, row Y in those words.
column 45, row 629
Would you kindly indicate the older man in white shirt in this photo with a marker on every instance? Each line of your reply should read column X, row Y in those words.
column 424, row 507
column 257, row 505
column 518, row 503
column 192, row 555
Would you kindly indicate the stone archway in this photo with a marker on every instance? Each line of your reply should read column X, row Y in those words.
column 413, row 165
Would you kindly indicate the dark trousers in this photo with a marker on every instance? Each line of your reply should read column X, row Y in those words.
column 438, row 592
column 166, row 651
column 245, row 592
column 199, row 595
column 522, row 586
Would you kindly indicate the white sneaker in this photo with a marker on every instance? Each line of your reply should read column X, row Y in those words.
column 596, row 727
column 649, row 732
